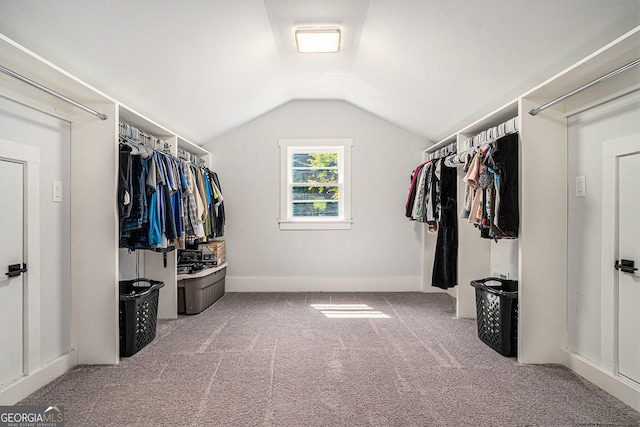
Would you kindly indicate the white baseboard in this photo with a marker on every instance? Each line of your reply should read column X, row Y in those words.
column 323, row 284
column 619, row 387
column 18, row 390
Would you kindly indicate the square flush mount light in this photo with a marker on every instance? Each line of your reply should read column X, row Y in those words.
column 318, row 40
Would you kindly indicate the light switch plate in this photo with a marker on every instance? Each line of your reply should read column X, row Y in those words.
column 581, row 190
column 57, row 191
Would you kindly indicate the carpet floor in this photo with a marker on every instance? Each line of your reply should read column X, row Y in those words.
column 327, row 359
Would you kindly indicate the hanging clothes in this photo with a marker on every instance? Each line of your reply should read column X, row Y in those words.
column 432, row 205
column 445, row 263
column 432, row 199
column 162, row 200
column 424, row 180
column 490, row 163
column 491, row 191
column 423, row 195
column 197, row 218
column 134, row 219
column 218, row 206
column 189, row 202
column 505, row 159
column 125, row 183
column 411, row 199
column 154, row 177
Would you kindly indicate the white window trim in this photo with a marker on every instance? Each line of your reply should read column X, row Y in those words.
column 287, row 222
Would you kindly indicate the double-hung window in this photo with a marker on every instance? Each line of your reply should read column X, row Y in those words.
column 315, row 184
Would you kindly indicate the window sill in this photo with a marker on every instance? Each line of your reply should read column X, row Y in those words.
column 315, row 225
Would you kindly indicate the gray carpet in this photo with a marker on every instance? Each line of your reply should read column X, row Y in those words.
column 275, row 359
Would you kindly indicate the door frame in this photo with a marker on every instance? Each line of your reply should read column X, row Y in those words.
column 29, row 157
column 611, row 151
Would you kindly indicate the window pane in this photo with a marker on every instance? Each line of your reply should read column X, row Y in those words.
column 315, row 160
column 302, row 160
column 315, row 193
column 315, row 175
column 301, row 209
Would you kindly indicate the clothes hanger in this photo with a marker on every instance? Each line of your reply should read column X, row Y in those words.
column 135, row 150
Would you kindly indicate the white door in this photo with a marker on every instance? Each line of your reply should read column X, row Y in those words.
column 11, row 254
column 628, row 275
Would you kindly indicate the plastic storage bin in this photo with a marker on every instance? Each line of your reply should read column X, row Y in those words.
column 195, row 294
column 497, row 312
column 138, row 314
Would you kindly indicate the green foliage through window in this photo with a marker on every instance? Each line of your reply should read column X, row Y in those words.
column 321, row 197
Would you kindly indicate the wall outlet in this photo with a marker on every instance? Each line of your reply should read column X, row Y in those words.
column 501, row 275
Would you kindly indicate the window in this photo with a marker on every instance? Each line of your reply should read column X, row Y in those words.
column 315, row 191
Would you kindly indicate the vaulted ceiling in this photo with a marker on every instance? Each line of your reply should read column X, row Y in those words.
column 203, row 67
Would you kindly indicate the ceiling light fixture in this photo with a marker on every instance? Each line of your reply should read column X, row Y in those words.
column 317, row 39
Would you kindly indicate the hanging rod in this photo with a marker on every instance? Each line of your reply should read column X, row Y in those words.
column 54, row 93
column 581, row 88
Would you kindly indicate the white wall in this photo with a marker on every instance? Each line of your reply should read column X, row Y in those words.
column 587, row 132
column 52, row 136
column 504, row 258
column 383, row 249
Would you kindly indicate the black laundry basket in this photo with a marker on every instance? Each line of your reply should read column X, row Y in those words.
column 138, row 314
column 497, row 312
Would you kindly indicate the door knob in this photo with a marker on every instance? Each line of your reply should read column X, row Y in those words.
column 15, row 270
column 626, row 266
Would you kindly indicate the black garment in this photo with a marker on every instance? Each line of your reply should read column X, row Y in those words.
column 445, row 263
column 169, row 220
column 433, row 189
column 139, row 212
column 505, row 158
column 124, row 184
column 218, row 224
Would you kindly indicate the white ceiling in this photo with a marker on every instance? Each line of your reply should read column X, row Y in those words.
column 203, row 67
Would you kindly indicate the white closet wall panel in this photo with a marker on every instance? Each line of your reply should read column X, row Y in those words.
column 94, row 234
column 504, row 259
column 131, row 264
column 587, row 131
column 51, row 135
